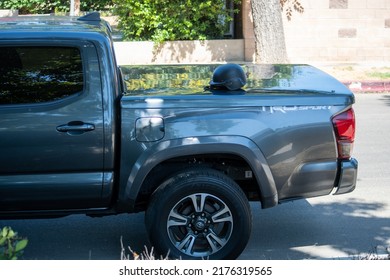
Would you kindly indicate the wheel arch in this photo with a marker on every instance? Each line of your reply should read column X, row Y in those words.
column 169, row 151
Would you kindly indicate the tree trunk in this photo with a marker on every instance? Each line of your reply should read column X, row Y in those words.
column 269, row 33
column 77, row 7
column 74, row 8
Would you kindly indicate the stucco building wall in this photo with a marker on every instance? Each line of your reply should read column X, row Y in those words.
column 333, row 31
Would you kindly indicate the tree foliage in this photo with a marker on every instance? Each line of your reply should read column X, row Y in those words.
column 51, row 6
column 159, row 20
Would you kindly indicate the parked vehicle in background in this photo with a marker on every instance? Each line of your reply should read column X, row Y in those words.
column 74, row 140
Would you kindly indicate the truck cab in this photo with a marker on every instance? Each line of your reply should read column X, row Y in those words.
column 59, row 85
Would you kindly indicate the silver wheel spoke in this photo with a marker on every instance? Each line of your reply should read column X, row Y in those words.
column 187, row 244
column 198, row 201
column 175, row 219
column 215, row 242
column 223, row 216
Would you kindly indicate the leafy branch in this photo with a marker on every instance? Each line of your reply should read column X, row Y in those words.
column 11, row 245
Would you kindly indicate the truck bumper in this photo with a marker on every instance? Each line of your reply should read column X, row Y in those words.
column 348, row 176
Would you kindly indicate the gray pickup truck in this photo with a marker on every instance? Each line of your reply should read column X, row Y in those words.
column 74, row 140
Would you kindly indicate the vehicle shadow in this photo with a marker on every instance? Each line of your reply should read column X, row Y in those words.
column 299, row 230
column 79, row 237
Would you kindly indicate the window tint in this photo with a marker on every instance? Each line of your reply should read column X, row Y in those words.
column 39, row 74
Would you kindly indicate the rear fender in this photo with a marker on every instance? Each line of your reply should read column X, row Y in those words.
column 169, row 149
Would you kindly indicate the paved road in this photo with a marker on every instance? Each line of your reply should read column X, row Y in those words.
column 326, row 228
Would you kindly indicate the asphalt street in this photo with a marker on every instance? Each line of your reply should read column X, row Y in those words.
column 331, row 227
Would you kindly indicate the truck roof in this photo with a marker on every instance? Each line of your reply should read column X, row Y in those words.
column 27, row 25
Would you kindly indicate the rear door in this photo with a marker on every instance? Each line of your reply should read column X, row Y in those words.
column 51, row 126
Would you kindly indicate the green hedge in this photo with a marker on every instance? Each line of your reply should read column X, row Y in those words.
column 51, row 6
column 159, row 21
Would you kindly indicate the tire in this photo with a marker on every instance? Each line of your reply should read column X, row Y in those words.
column 199, row 214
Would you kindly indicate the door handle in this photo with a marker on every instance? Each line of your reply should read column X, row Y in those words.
column 75, row 127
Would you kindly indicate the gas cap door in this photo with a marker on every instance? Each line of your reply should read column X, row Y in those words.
column 149, row 129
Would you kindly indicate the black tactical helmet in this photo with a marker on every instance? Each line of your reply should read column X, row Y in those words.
column 230, row 76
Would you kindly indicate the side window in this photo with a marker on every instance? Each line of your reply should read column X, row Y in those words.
column 39, row 74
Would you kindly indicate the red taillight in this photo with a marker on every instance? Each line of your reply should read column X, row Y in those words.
column 344, row 125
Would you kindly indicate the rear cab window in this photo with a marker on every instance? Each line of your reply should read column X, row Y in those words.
column 37, row 74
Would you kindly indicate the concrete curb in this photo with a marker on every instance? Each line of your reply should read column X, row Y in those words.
column 368, row 86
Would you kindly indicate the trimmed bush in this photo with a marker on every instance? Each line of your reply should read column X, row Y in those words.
column 158, row 21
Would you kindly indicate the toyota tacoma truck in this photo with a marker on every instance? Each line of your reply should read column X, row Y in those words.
column 78, row 134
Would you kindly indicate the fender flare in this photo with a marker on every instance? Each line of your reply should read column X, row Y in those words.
column 168, row 149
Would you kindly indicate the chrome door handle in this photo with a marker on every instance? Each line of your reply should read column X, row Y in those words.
column 75, row 127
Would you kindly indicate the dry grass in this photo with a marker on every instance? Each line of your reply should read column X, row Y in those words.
column 384, row 254
column 145, row 255
column 149, row 255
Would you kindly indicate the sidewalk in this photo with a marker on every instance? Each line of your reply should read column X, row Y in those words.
column 360, row 78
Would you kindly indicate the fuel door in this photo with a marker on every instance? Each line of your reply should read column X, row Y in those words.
column 149, row 129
